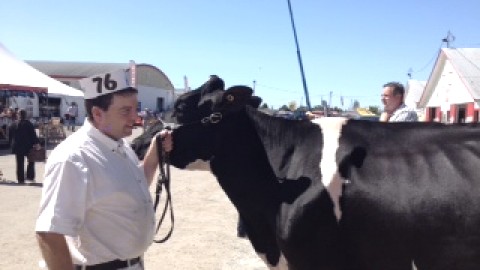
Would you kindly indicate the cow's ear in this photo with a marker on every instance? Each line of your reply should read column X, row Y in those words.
column 236, row 97
column 255, row 102
column 213, row 84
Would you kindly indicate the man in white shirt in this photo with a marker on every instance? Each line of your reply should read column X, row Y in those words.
column 96, row 211
column 395, row 109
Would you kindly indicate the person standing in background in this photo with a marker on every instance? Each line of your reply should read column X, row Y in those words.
column 395, row 110
column 24, row 138
column 72, row 112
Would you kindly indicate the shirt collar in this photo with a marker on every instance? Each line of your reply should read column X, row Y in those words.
column 401, row 107
column 113, row 145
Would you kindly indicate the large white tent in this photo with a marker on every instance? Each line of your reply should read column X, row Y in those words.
column 15, row 72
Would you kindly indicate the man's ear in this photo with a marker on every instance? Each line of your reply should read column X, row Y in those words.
column 97, row 114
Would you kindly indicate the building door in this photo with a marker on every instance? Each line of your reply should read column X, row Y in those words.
column 160, row 104
column 461, row 114
column 432, row 114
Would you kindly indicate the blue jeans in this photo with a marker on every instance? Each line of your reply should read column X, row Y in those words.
column 71, row 123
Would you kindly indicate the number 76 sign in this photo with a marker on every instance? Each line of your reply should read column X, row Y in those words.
column 106, row 83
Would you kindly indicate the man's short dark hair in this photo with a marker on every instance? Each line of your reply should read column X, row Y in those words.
column 104, row 101
column 22, row 114
column 398, row 88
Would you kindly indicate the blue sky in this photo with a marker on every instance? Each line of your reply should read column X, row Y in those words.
column 348, row 47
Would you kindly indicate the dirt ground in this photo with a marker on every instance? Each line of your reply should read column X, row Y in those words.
column 204, row 235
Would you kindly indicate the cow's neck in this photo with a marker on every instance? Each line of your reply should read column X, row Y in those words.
column 241, row 166
column 303, row 152
column 243, row 171
column 289, row 144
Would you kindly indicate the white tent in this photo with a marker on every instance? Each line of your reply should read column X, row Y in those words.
column 15, row 72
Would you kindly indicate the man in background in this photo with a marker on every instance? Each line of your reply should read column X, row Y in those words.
column 395, row 110
column 72, row 112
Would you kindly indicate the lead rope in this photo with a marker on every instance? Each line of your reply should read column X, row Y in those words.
column 163, row 179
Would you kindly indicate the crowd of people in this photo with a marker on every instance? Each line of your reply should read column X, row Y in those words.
column 22, row 137
column 7, row 117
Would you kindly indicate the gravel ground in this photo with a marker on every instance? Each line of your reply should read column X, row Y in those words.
column 204, row 235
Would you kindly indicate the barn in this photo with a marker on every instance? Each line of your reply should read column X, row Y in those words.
column 452, row 92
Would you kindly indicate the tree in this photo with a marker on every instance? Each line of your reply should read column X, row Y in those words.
column 374, row 109
column 356, row 104
column 292, row 106
column 302, row 108
column 335, row 108
column 264, row 106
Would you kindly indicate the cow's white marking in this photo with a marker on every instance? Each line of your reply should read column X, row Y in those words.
column 331, row 130
column 282, row 262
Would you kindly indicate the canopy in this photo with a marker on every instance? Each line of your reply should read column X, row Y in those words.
column 15, row 74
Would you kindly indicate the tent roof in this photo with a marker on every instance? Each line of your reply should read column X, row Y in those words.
column 18, row 74
column 76, row 69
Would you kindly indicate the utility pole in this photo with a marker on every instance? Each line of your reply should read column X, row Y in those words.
column 330, row 100
column 307, row 98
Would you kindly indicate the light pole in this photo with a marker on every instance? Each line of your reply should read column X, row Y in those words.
column 307, row 98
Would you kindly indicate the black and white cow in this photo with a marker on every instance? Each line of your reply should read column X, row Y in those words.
column 337, row 193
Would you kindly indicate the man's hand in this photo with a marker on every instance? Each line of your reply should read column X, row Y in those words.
column 384, row 117
column 55, row 251
column 166, row 138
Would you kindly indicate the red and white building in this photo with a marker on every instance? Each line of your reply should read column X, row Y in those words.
column 452, row 93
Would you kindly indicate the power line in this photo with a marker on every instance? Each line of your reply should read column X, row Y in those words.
column 275, row 88
column 411, row 71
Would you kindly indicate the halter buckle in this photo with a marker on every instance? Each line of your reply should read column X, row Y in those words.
column 213, row 118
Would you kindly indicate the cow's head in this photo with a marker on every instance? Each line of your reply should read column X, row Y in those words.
column 183, row 113
column 199, row 113
column 188, row 107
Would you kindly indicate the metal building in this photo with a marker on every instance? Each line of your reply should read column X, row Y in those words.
column 156, row 91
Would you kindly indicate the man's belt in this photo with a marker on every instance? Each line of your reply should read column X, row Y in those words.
column 111, row 265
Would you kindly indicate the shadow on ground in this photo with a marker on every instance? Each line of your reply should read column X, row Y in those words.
column 14, row 183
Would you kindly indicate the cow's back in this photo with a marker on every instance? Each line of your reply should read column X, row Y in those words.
column 412, row 192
